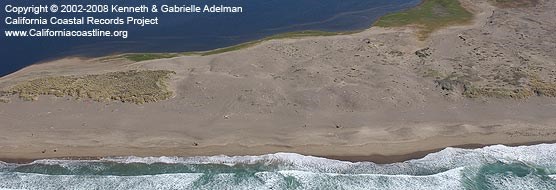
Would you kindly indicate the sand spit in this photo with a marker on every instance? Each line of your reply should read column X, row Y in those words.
column 379, row 92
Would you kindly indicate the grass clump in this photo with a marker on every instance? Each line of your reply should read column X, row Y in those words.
column 535, row 86
column 542, row 88
column 429, row 16
column 4, row 100
column 128, row 86
column 451, row 82
column 475, row 92
column 431, row 73
column 464, row 84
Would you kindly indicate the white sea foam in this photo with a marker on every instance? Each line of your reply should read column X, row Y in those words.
column 262, row 180
column 511, row 182
column 449, row 158
column 451, row 168
column 41, row 181
column 542, row 154
column 226, row 160
column 445, row 180
column 535, row 153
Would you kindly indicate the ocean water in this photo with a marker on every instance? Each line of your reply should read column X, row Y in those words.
column 187, row 32
column 493, row 167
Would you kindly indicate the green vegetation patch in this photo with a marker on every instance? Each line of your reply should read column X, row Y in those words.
column 429, row 16
column 227, row 49
column 307, row 33
column 128, row 86
column 137, row 57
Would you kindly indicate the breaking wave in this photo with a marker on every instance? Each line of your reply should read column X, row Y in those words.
column 493, row 167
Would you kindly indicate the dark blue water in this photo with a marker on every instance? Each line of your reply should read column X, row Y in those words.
column 180, row 32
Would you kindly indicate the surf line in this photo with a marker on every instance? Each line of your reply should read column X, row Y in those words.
column 198, row 9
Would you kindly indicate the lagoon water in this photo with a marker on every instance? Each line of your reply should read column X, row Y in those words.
column 493, row 167
column 188, row 32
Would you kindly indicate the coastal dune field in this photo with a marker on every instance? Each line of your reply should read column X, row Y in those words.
column 385, row 94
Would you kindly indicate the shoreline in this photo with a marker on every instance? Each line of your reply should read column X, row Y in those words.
column 296, row 34
column 375, row 158
column 382, row 159
column 358, row 97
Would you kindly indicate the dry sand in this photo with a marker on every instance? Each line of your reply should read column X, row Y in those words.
column 358, row 96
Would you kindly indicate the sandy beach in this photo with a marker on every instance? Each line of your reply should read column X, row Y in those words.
column 381, row 95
